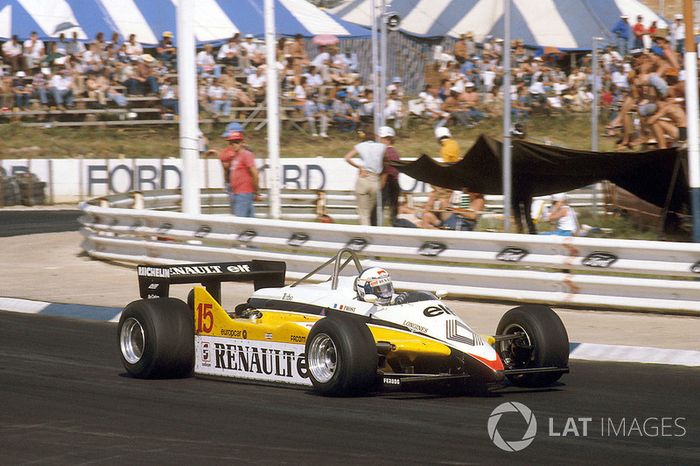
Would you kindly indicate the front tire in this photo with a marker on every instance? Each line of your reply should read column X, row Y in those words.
column 542, row 342
column 341, row 356
column 156, row 338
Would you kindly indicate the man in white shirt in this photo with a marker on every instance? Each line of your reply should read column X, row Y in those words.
column 216, row 94
column 12, row 51
column 368, row 183
column 564, row 216
column 206, row 63
column 229, row 52
column 256, row 82
column 34, row 51
column 61, row 87
column 677, row 30
column 133, row 48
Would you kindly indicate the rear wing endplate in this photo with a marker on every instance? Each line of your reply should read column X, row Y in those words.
column 155, row 281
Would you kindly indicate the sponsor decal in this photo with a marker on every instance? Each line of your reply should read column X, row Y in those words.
column 431, row 248
column 297, row 239
column 392, row 381
column 196, row 270
column 247, row 236
column 153, row 272
column 240, row 268
column 232, row 333
column 297, row 338
column 206, row 354
column 153, row 286
column 268, row 336
column 457, row 331
column 415, row 327
column 343, row 307
column 357, row 244
column 203, row 231
column 258, row 360
column 437, row 310
column 287, row 297
column 512, row 254
column 695, row 268
column 599, row 259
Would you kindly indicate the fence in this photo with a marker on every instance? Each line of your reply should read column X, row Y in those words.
column 592, row 272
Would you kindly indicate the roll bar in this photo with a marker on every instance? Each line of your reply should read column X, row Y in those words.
column 337, row 267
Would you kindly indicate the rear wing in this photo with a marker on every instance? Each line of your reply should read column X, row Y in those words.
column 155, row 281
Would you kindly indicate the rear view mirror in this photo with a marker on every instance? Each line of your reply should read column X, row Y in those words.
column 441, row 293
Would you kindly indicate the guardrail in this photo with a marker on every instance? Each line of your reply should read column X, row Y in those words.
column 628, row 274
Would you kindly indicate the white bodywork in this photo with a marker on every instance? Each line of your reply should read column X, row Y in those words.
column 432, row 318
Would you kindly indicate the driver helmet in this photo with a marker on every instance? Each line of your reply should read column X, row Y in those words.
column 376, row 281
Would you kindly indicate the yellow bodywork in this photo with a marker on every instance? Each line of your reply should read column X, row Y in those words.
column 210, row 319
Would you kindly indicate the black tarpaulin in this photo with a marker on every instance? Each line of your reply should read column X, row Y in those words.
column 542, row 169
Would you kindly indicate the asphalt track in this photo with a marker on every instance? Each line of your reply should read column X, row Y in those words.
column 66, row 400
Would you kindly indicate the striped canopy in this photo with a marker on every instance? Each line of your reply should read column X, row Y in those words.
column 565, row 24
column 215, row 20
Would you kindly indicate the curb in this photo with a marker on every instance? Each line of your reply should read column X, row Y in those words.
column 579, row 351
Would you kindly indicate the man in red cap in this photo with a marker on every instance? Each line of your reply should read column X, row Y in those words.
column 239, row 168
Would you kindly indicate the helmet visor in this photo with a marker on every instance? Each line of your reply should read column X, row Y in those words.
column 383, row 293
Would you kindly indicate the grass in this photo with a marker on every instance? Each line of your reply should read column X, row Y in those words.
column 571, row 131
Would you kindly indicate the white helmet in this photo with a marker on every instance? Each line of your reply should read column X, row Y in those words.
column 386, row 132
column 376, row 281
column 442, row 132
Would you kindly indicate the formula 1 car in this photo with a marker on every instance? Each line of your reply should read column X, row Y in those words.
column 324, row 335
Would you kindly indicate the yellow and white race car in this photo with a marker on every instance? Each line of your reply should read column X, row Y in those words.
column 348, row 334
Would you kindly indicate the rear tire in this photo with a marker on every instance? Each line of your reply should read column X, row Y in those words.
column 156, row 338
column 341, row 357
column 544, row 343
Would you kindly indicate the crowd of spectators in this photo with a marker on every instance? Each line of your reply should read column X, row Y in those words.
column 640, row 76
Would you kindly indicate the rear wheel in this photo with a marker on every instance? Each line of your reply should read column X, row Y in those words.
column 156, row 338
column 539, row 340
column 341, row 356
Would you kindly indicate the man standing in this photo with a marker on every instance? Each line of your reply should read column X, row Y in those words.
column 639, row 30
column 440, row 198
column 242, row 175
column 372, row 155
column 677, row 32
column 389, row 179
column 622, row 33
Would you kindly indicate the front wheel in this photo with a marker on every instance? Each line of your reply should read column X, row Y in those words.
column 341, row 356
column 156, row 338
column 538, row 339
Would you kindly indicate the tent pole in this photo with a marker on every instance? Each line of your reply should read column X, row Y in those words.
column 189, row 118
column 382, row 63
column 691, row 102
column 273, row 110
column 507, row 162
column 375, row 64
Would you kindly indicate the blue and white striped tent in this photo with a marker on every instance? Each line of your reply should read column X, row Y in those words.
column 565, row 24
column 215, row 20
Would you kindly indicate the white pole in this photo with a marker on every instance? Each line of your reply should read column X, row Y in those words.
column 594, row 115
column 382, row 61
column 507, row 161
column 273, row 111
column 189, row 118
column 375, row 66
column 691, row 102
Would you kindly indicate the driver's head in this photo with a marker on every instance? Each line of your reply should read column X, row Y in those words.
column 376, row 281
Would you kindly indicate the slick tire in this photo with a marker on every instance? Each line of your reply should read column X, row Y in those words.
column 156, row 338
column 341, row 356
column 545, row 343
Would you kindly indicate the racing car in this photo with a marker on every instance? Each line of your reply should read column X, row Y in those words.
column 345, row 335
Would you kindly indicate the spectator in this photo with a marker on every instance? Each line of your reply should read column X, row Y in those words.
column 343, row 115
column 256, row 83
column 229, row 52
column 40, row 88
column 21, row 90
column 75, row 48
column 166, row 51
column 621, row 30
column 205, row 62
column 372, row 156
column 61, row 87
column 133, row 49
column 564, row 216
column 12, row 53
column 34, row 51
column 393, row 111
column 439, row 198
column 668, row 121
column 241, row 174
column 219, row 103
column 298, row 53
column 389, row 180
column 168, row 97
column 61, row 45
column 315, row 109
column 92, row 59
column 638, row 30
column 677, row 33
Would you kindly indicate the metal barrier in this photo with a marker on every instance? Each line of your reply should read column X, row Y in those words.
column 643, row 275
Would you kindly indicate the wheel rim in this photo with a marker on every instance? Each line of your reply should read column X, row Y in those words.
column 132, row 340
column 322, row 358
column 518, row 352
